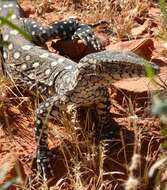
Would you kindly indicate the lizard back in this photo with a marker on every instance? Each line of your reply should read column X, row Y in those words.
column 23, row 60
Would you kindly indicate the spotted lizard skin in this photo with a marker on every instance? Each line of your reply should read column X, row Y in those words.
column 67, row 29
column 64, row 83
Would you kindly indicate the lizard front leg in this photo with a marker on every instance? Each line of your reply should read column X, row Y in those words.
column 106, row 126
column 41, row 133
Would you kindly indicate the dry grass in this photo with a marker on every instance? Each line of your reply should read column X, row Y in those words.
column 120, row 14
column 84, row 164
column 87, row 165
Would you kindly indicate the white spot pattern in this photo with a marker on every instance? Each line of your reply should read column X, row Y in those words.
column 60, row 60
column 61, row 26
column 47, row 72
column 27, row 57
column 64, row 33
column 35, row 64
column 44, row 55
column 68, row 67
column 6, row 37
column 16, row 55
column 5, row 55
column 10, row 5
column 10, row 46
column 54, row 63
column 13, row 17
column 5, row 6
column 47, row 104
column 26, row 47
column 23, row 66
column 50, row 83
column 14, row 32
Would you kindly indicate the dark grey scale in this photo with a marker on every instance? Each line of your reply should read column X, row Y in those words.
column 39, row 33
column 84, row 32
column 54, row 77
column 73, row 29
column 51, row 80
column 68, row 80
column 104, row 115
column 63, row 29
column 67, row 29
column 38, row 128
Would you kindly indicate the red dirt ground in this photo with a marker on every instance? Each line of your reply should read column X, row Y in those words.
column 128, row 97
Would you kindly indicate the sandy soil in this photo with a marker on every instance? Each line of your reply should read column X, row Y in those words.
column 131, row 100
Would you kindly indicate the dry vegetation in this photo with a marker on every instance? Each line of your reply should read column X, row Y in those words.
column 81, row 163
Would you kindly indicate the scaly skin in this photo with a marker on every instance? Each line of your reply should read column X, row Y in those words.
column 67, row 29
column 63, row 82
